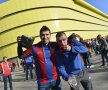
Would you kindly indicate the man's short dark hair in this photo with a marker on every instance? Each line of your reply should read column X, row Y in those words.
column 99, row 36
column 60, row 34
column 44, row 28
column 4, row 57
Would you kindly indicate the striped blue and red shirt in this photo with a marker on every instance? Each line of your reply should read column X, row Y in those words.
column 45, row 63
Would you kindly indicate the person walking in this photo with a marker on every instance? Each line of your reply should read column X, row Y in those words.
column 14, row 65
column 44, row 59
column 87, row 55
column 103, row 47
column 5, row 67
column 23, row 64
column 94, row 46
column 29, row 67
column 69, row 62
column 1, row 78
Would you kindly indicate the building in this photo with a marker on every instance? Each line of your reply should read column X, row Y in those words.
column 26, row 17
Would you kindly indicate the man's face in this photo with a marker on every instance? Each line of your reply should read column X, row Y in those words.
column 45, row 37
column 62, row 41
column 5, row 59
column 74, row 35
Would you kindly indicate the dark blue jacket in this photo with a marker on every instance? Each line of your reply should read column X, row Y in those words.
column 70, row 62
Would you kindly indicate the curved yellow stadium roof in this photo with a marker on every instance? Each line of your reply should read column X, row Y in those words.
column 26, row 17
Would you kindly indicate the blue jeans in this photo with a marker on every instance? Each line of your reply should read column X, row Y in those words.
column 5, row 82
column 86, row 58
column 84, row 78
column 104, row 56
column 53, row 85
column 31, row 73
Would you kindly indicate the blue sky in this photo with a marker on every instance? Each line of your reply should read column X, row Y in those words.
column 99, row 4
column 1, row 1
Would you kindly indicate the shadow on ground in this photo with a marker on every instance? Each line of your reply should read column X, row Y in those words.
column 98, row 69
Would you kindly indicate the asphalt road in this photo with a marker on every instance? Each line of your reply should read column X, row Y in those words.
column 99, row 78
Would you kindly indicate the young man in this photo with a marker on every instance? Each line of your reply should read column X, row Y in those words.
column 103, row 46
column 45, row 62
column 5, row 67
column 70, row 64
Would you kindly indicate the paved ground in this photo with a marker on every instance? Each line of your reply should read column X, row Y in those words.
column 99, row 78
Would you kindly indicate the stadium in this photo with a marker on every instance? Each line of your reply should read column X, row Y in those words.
column 26, row 17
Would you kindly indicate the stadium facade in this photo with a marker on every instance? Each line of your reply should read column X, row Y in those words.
column 26, row 17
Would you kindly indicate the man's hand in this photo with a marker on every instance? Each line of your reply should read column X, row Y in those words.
column 67, row 48
column 19, row 39
column 70, row 81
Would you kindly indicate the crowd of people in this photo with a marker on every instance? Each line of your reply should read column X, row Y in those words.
column 68, row 57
